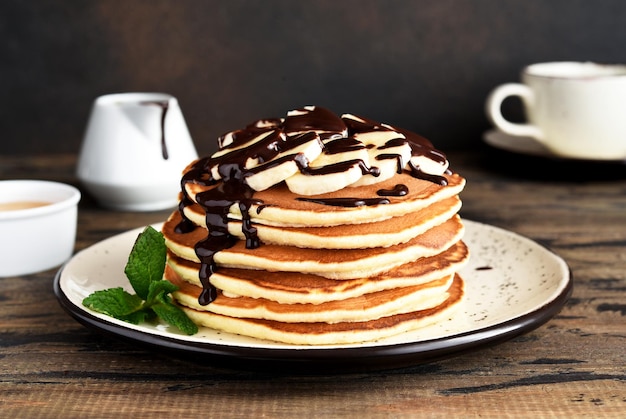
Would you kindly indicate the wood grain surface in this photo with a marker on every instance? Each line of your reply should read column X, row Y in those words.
column 573, row 366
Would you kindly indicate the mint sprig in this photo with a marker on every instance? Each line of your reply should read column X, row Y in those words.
column 144, row 270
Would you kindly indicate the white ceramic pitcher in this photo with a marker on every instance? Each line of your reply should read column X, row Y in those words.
column 134, row 150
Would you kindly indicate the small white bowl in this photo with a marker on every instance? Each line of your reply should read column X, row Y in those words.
column 36, row 238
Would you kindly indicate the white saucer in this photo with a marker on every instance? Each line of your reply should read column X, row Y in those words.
column 531, row 147
column 516, row 144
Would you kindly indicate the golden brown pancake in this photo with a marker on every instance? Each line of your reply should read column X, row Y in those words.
column 336, row 264
column 296, row 287
column 362, row 308
column 390, row 231
column 333, row 333
column 281, row 207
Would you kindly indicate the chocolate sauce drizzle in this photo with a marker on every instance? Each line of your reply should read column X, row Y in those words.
column 347, row 202
column 341, row 167
column 343, row 145
column 300, row 159
column 216, row 203
column 164, row 105
column 281, row 135
column 417, row 173
column 398, row 190
column 316, row 119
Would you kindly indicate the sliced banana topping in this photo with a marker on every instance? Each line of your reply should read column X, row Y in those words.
column 428, row 165
column 248, row 151
column 344, row 161
column 302, row 150
column 315, row 151
column 389, row 151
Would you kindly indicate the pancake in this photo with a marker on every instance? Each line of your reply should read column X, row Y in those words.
column 296, row 287
column 333, row 333
column 339, row 264
column 362, row 308
column 383, row 233
column 279, row 206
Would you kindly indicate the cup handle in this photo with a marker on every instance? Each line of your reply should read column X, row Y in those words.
column 494, row 110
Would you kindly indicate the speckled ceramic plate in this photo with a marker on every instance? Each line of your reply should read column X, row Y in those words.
column 513, row 285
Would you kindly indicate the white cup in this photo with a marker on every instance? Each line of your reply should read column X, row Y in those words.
column 135, row 148
column 575, row 109
column 37, row 225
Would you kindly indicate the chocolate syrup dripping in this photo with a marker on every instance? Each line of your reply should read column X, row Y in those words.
column 420, row 146
column 398, row 190
column 249, row 231
column 199, row 175
column 346, row 202
column 261, row 208
column 395, row 142
column 397, row 157
column 266, row 150
column 299, row 158
column 341, row 167
column 298, row 140
column 429, row 152
column 239, row 137
column 185, row 225
column 364, row 125
column 218, row 239
column 417, row 173
column 164, row 105
column 313, row 119
column 263, row 150
column 425, row 148
column 343, row 145
column 216, row 203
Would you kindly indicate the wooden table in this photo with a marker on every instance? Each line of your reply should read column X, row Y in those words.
column 573, row 366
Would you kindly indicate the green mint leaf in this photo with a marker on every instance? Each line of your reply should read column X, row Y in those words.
column 146, row 262
column 174, row 315
column 157, row 288
column 114, row 302
column 139, row 316
column 144, row 269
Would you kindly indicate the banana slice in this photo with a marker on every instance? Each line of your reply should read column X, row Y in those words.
column 428, row 165
column 387, row 150
column 344, row 161
column 275, row 158
column 252, row 130
column 246, row 151
column 428, row 160
column 296, row 154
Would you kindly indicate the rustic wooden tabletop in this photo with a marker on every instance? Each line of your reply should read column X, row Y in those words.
column 572, row 366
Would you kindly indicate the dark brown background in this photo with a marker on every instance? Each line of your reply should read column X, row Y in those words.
column 423, row 65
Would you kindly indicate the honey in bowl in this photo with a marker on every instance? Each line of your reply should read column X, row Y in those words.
column 21, row 205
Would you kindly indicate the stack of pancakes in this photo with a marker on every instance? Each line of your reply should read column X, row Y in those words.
column 308, row 260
